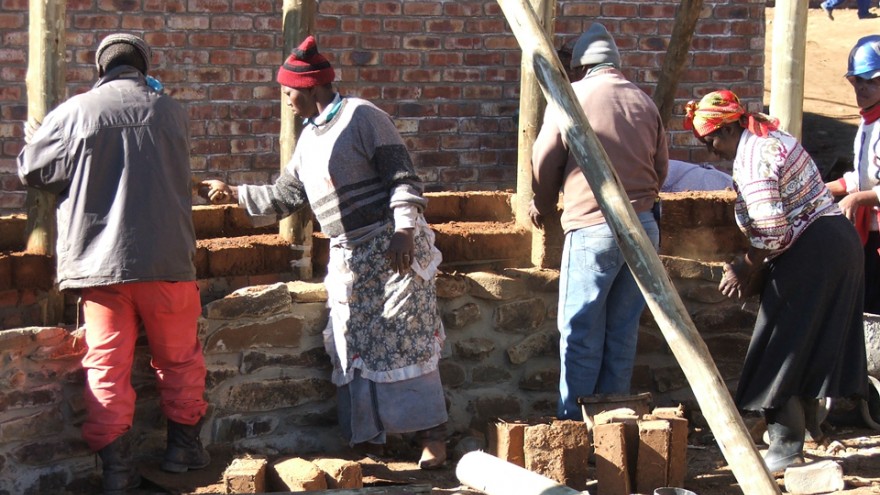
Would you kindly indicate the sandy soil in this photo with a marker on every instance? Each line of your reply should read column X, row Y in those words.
column 831, row 116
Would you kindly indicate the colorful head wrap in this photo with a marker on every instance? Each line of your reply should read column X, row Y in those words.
column 720, row 108
column 305, row 67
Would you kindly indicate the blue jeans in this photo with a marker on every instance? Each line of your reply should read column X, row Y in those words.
column 599, row 309
column 863, row 5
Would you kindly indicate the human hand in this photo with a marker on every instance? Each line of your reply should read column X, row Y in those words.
column 536, row 216
column 217, row 191
column 30, row 128
column 741, row 279
column 401, row 250
column 850, row 203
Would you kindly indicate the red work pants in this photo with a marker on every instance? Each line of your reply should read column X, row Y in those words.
column 169, row 312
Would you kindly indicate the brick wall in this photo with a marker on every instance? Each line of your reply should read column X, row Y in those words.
column 268, row 374
column 447, row 71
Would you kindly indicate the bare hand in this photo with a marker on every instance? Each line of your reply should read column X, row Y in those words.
column 401, row 250
column 741, row 279
column 217, row 192
column 30, row 128
column 849, row 206
column 536, row 216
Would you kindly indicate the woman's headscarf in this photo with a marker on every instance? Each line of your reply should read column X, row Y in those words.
column 719, row 108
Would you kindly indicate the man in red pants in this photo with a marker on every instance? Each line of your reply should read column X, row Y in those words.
column 117, row 157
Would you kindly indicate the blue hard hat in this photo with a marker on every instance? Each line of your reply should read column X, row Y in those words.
column 864, row 58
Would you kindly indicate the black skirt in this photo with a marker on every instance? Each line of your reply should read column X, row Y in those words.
column 809, row 338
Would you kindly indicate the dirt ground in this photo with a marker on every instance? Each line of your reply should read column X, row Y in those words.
column 830, row 113
column 830, row 120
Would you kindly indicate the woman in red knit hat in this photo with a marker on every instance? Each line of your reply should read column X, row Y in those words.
column 385, row 333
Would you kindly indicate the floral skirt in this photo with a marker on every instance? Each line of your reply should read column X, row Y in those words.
column 384, row 324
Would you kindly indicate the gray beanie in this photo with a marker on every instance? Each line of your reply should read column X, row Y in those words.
column 126, row 38
column 595, row 46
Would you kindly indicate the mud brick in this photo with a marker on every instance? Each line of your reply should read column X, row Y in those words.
column 653, row 462
column 630, row 420
column 245, row 475
column 612, row 468
column 678, row 444
column 506, row 442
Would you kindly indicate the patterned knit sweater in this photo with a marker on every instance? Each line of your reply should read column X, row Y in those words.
column 779, row 190
column 353, row 170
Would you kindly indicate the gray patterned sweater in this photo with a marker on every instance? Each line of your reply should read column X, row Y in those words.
column 353, row 171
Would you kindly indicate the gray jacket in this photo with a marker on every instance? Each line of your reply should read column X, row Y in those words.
column 117, row 156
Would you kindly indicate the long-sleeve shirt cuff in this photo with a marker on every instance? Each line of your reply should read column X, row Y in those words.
column 405, row 216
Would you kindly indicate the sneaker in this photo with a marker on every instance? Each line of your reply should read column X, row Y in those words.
column 828, row 11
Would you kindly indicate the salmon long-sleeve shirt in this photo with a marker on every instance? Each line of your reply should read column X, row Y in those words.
column 628, row 124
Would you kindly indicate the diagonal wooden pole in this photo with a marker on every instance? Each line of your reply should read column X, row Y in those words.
column 662, row 298
column 676, row 54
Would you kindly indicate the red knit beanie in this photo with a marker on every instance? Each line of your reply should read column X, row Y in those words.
column 305, row 67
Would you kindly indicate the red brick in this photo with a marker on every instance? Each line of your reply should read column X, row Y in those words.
column 381, row 8
column 254, row 6
column 207, row 40
column 95, row 22
column 213, row 6
column 339, row 8
column 143, row 23
column 402, row 25
column 232, row 23
column 422, row 8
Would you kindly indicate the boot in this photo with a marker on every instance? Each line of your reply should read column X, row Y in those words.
column 119, row 472
column 811, row 420
column 785, row 426
column 184, row 450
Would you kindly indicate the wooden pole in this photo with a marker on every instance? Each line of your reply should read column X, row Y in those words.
column 676, row 56
column 685, row 342
column 298, row 23
column 531, row 110
column 787, row 64
column 45, row 80
column 494, row 476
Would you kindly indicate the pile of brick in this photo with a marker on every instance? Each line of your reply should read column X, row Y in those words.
column 640, row 453
column 294, row 474
column 633, row 452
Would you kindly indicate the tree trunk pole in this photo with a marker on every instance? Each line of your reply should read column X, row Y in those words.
column 787, row 64
column 298, row 23
column 676, row 56
column 531, row 110
column 45, row 89
column 683, row 338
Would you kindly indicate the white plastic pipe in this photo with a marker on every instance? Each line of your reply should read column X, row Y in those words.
column 493, row 476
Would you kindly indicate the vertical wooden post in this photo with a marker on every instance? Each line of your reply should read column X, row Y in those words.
column 531, row 110
column 45, row 80
column 787, row 64
column 298, row 23
column 676, row 56
column 672, row 317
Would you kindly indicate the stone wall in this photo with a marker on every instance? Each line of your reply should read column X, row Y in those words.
column 268, row 381
column 448, row 72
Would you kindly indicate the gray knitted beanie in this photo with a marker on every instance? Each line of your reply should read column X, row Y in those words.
column 595, row 46
column 129, row 39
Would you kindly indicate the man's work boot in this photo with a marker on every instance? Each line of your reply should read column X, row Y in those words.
column 785, row 427
column 184, row 450
column 119, row 472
